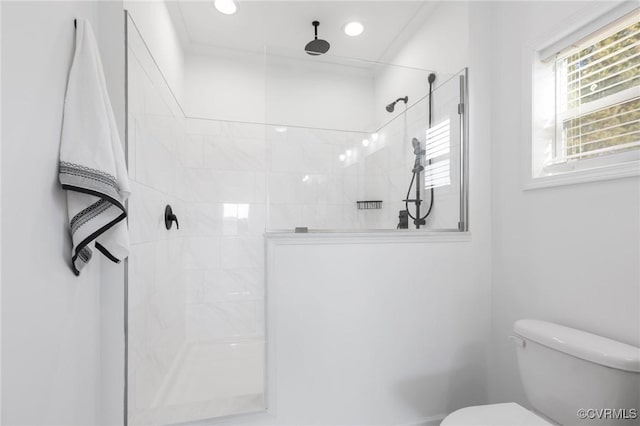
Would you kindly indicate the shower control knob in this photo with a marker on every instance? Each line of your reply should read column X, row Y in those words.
column 169, row 218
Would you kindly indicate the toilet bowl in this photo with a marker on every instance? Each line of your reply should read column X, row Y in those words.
column 507, row 414
column 564, row 371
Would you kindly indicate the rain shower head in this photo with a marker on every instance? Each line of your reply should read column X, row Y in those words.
column 317, row 46
column 392, row 105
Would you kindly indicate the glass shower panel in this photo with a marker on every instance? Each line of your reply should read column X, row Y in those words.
column 195, row 294
column 308, row 185
column 439, row 155
column 340, row 150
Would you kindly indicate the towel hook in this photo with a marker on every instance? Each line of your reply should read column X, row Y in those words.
column 75, row 23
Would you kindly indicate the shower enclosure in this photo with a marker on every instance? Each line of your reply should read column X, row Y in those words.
column 328, row 157
column 337, row 160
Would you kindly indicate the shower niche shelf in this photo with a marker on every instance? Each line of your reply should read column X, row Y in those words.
column 369, row 205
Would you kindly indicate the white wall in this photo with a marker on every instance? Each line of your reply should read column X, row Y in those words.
column 373, row 333
column 314, row 92
column 0, row 211
column 240, row 86
column 154, row 22
column 441, row 46
column 110, row 35
column 51, row 324
column 566, row 254
column 227, row 86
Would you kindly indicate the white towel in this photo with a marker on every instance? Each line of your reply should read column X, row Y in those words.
column 92, row 165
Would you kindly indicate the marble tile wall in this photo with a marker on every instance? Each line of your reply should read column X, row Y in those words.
column 157, row 314
column 314, row 178
column 223, row 174
column 196, row 292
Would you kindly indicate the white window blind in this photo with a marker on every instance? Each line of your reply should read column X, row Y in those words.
column 598, row 93
column 437, row 170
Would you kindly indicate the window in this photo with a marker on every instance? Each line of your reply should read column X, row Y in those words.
column 593, row 89
column 598, row 94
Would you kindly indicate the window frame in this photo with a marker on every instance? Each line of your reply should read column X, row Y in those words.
column 539, row 66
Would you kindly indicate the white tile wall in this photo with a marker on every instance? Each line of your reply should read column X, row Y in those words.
column 307, row 183
column 196, row 291
column 231, row 153
column 157, row 328
column 202, row 252
column 227, row 195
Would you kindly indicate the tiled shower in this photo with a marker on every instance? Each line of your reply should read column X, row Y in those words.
column 196, row 294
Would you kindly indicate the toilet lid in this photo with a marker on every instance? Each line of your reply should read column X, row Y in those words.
column 508, row 414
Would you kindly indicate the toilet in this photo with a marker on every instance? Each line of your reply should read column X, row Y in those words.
column 565, row 370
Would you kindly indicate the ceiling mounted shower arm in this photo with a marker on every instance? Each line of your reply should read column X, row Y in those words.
column 317, row 46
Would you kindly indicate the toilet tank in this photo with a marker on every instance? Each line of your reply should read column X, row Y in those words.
column 565, row 370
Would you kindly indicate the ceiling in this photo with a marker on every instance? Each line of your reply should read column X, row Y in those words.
column 287, row 24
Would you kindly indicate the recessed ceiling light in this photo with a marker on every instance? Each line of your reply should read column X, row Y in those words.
column 227, row 7
column 353, row 29
column 365, row 142
column 280, row 129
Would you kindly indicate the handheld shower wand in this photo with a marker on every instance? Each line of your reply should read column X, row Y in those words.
column 419, row 153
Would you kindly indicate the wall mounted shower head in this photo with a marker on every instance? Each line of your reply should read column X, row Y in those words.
column 392, row 105
column 317, row 46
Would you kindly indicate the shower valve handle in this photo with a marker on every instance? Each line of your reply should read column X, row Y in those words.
column 170, row 217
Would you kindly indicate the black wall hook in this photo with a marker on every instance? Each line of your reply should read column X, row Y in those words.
column 75, row 23
column 169, row 218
